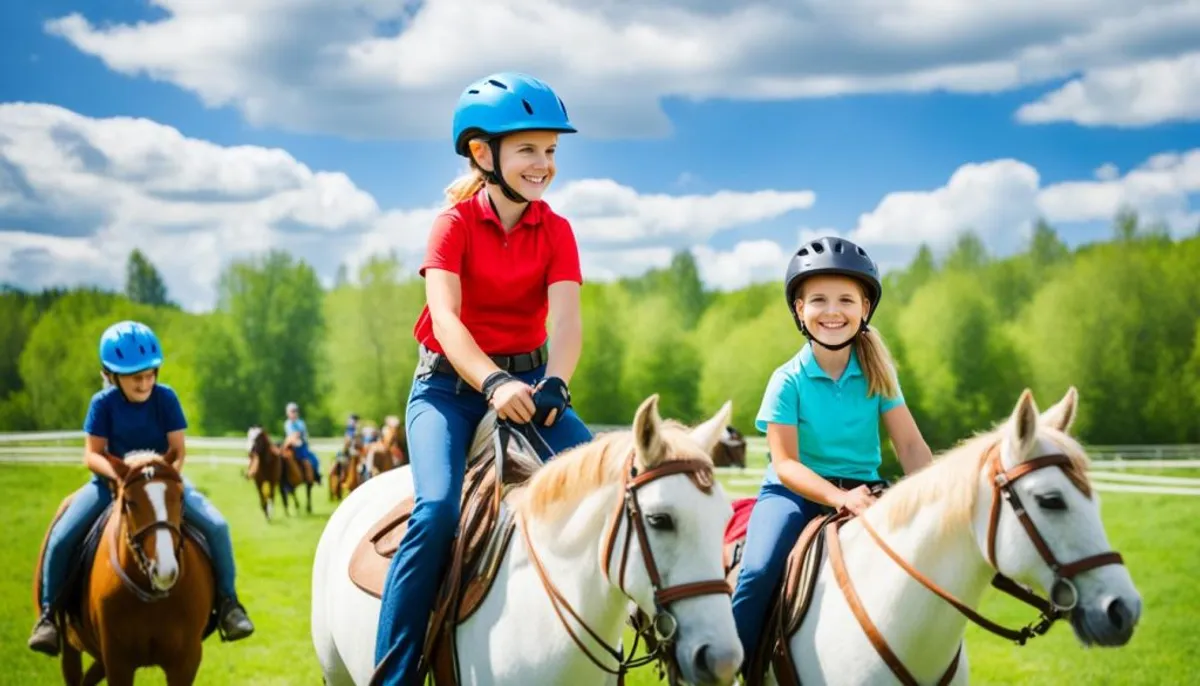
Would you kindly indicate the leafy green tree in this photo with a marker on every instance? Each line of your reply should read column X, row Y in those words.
column 143, row 283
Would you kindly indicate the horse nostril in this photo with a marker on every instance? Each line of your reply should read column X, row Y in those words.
column 1118, row 614
column 700, row 660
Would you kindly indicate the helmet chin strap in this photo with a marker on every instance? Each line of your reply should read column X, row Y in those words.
column 497, row 177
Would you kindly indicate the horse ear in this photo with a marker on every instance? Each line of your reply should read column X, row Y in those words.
column 1022, row 426
column 1062, row 415
column 647, row 433
column 708, row 433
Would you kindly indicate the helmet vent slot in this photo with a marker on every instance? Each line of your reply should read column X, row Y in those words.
column 528, row 107
column 497, row 84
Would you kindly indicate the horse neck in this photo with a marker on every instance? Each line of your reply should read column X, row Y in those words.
column 569, row 549
column 921, row 628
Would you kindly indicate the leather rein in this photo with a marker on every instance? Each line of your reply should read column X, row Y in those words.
column 663, row 625
column 1051, row 609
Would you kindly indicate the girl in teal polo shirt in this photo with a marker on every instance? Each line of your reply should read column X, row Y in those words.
column 821, row 415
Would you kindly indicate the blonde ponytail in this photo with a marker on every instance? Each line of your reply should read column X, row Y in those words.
column 877, row 364
column 465, row 186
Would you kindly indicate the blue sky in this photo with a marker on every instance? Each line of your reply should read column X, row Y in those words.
column 207, row 132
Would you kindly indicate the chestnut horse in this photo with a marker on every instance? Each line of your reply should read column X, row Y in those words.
column 390, row 451
column 730, row 451
column 344, row 474
column 150, row 591
column 266, row 469
column 297, row 472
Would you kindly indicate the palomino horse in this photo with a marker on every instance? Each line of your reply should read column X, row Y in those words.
column 1014, row 503
column 296, row 472
column 566, row 558
column 150, row 589
column 266, row 469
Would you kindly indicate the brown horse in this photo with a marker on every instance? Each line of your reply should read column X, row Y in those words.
column 344, row 472
column 266, row 469
column 297, row 472
column 150, row 591
column 730, row 450
column 391, row 449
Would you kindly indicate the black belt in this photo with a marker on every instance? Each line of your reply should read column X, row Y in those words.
column 516, row 364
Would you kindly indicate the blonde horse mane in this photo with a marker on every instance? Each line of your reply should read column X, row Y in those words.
column 137, row 459
column 953, row 479
column 560, row 484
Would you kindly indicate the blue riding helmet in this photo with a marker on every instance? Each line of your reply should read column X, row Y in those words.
column 504, row 103
column 129, row 347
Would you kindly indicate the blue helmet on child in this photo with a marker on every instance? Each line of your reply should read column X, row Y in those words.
column 129, row 347
column 507, row 102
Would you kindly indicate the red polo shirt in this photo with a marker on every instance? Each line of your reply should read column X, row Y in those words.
column 504, row 275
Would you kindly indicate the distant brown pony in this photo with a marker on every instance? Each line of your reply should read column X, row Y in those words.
column 344, row 473
column 391, row 450
column 266, row 469
column 730, row 450
column 297, row 472
column 150, row 590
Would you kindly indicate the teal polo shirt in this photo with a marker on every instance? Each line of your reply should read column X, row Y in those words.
column 837, row 422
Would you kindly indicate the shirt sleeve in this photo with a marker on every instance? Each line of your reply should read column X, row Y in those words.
column 564, row 256
column 780, row 403
column 99, row 420
column 173, row 419
column 888, row 404
column 446, row 246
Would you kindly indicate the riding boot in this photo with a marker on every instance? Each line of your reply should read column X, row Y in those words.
column 233, row 623
column 45, row 638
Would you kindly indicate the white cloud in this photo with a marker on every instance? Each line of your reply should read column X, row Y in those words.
column 1000, row 199
column 395, row 67
column 748, row 262
column 78, row 194
column 1148, row 92
column 1107, row 171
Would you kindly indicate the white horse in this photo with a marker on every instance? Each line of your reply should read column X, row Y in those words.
column 941, row 522
column 571, row 512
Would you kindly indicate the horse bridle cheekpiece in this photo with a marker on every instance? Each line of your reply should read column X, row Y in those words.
column 663, row 626
column 134, row 539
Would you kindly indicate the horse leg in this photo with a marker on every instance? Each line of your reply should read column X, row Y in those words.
column 308, row 497
column 183, row 671
column 72, row 664
column 95, row 674
column 116, row 674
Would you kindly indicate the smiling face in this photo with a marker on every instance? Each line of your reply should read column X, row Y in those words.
column 526, row 161
column 137, row 387
column 832, row 307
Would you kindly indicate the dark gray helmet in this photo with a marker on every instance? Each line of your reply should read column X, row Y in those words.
column 833, row 255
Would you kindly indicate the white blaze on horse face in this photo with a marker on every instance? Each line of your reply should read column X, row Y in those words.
column 685, row 527
column 164, row 568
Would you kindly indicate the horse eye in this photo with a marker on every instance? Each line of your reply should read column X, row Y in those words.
column 1050, row 501
column 662, row 522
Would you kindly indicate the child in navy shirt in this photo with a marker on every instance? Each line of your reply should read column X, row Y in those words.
column 134, row 412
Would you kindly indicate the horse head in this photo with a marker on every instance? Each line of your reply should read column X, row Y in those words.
column 150, row 503
column 1040, row 523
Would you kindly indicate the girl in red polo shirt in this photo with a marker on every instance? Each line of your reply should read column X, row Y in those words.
column 498, row 261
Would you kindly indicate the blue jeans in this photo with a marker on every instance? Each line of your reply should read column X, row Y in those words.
column 89, row 503
column 441, row 420
column 778, row 517
column 304, row 453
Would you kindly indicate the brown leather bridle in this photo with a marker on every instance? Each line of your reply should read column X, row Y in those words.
column 1052, row 608
column 134, row 539
column 663, row 625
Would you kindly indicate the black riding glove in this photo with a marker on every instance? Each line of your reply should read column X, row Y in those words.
column 550, row 394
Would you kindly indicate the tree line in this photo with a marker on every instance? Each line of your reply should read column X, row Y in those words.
column 1118, row 319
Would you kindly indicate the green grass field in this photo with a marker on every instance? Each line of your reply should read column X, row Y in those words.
column 1156, row 534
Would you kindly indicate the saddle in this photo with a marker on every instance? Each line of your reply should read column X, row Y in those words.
column 789, row 601
column 71, row 601
column 491, row 488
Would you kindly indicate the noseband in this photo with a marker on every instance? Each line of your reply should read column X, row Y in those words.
column 663, row 625
column 134, row 539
